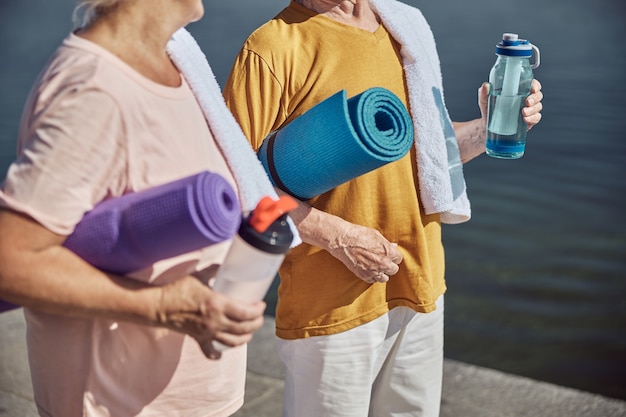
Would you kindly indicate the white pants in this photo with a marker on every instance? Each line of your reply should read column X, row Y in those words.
column 391, row 366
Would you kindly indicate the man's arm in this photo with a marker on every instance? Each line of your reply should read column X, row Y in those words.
column 253, row 96
column 363, row 250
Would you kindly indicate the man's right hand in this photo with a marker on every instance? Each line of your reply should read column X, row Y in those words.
column 365, row 252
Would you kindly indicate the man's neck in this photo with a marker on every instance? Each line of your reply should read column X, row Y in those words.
column 357, row 13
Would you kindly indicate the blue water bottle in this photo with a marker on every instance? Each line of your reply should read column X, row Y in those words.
column 510, row 80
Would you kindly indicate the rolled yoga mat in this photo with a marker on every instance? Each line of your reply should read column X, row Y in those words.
column 337, row 140
column 131, row 232
column 6, row 306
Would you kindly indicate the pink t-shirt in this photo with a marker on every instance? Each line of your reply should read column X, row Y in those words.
column 93, row 128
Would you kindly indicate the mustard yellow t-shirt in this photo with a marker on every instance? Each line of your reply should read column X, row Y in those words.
column 285, row 67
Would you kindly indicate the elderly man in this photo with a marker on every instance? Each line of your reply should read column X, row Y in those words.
column 359, row 318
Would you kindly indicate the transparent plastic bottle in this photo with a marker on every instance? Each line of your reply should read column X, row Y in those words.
column 510, row 79
column 257, row 251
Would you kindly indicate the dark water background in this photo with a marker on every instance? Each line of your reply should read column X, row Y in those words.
column 536, row 279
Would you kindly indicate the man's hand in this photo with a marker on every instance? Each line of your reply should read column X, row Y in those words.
column 531, row 111
column 365, row 252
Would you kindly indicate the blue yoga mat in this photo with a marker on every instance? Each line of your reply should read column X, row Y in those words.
column 337, row 140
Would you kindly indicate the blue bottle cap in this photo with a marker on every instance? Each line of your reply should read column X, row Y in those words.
column 511, row 45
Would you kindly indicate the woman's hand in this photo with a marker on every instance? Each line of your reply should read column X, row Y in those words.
column 189, row 306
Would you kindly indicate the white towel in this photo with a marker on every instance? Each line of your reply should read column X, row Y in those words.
column 440, row 172
column 249, row 174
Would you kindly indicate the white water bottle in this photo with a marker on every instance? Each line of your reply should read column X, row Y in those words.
column 257, row 251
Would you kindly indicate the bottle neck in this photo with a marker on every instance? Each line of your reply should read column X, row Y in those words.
column 513, row 57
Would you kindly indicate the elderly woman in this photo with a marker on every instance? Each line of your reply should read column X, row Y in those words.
column 109, row 115
column 360, row 304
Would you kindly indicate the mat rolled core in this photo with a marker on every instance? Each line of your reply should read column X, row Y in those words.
column 6, row 306
column 337, row 140
column 132, row 232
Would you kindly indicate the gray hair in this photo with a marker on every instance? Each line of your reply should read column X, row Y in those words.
column 87, row 10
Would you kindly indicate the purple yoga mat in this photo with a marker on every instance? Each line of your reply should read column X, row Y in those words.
column 131, row 232
column 6, row 306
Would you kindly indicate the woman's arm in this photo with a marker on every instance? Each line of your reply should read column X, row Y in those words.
column 38, row 272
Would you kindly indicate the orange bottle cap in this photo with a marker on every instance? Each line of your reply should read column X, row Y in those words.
column 269, row 210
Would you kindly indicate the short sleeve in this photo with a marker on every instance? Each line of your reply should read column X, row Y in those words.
column 71, row 157
column 253, row 95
